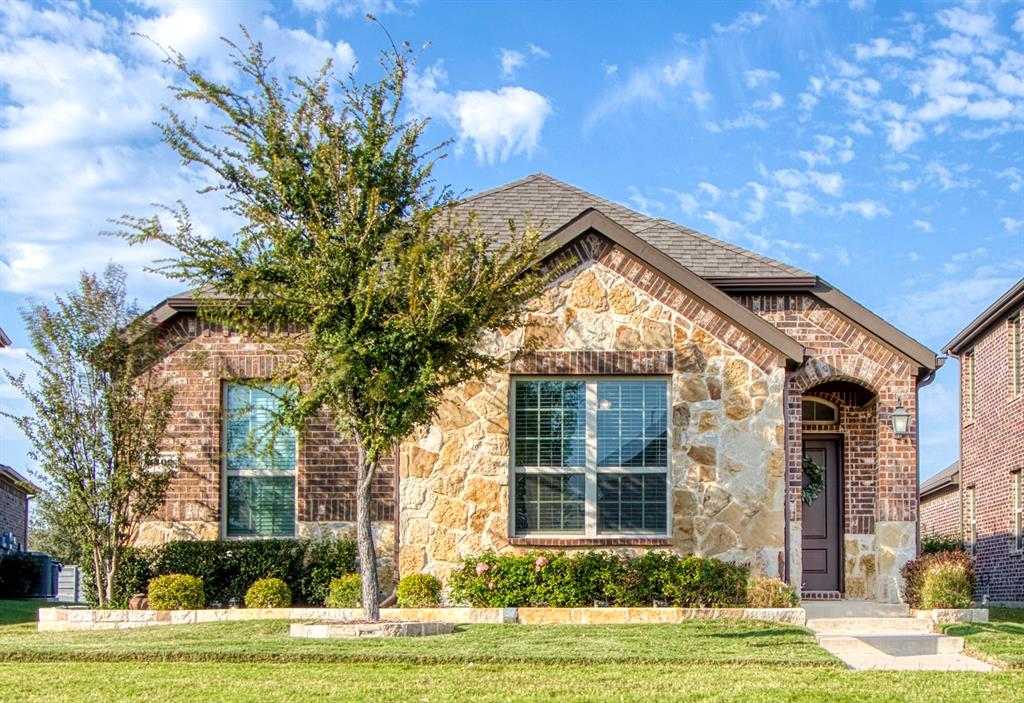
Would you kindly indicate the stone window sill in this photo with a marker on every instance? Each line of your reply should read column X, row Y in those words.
column 590, row 541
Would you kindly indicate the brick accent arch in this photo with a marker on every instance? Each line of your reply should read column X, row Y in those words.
column 820, row 370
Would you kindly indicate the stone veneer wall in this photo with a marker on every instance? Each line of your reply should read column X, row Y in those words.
column 727, row 461
column 881, row 522
column 201, row 358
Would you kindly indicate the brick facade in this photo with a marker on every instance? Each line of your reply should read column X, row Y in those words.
column 991, row 449
column 880, row 494
column 14, row 511
column 940, row 513
column 201, row 357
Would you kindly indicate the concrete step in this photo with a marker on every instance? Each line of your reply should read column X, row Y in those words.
column 870, row 626
column 891, row 645
column 924, row 662
column 854, row 609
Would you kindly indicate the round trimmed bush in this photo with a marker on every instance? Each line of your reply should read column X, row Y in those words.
column 268, row 593
column 767, row 592
column 345, row 592
column 947, row 585
column 419, row 591
column 176, row 592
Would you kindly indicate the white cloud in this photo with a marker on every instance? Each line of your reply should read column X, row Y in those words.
column 724, row 227
column 868, row 209
column 539, row 52
column 610, row 69
column 496, row 124
column 643, row 203
column 797, row 202
column 903, row 135
column 678, row 82
column 501, row 124
column 828, row 183
column 744, row 22
column 924, row 225
column 1011, row 225
column 1018, row 24
column 755, row 207
column 1014, row 176
column 511, row 62
column 757, row 76
column 882, row 48
column 712, row 191
column 346, row 8
column 772, row 102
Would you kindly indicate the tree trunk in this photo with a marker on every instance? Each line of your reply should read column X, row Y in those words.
column 364, row 537
column 97, row 571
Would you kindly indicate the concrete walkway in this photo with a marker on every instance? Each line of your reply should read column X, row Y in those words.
column 867, row 635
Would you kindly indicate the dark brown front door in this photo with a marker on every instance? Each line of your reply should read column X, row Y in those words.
column 822, row 531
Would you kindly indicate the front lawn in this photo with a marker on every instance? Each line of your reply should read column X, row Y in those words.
column 492, row 683
column 1000, row 641
column 716, row 660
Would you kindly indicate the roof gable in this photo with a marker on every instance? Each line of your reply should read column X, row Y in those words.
column 541, row 197
column 592, row 220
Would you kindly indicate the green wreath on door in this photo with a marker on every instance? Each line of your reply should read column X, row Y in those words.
column 815, row 480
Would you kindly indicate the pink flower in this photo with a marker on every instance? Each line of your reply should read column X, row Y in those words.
column 540, row 563
column 482, row 568
column 490, row 584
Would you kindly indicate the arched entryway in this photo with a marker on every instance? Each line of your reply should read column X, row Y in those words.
column 839, row 442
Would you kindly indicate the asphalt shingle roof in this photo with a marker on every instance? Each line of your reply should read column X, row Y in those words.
column 549, row 203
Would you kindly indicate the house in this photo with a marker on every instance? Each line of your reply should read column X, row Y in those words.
column 992, row 444
column 5, row 341
column 678, row 385
column 940, row 503
column 15, row 492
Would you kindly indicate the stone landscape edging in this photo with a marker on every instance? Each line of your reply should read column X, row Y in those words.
column 946, row 615
column 76, row 619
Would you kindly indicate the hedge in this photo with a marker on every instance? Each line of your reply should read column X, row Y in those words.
column 228, row 568
column 176, row 592
column 583, row 579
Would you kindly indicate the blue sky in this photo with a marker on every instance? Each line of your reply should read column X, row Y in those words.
column 879, row 145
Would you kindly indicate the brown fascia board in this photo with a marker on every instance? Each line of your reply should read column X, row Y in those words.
column 877, row 327
column 755, row 284
column 992, row 314
column 13, row 477
column 5, row 341
column 945, row 479
column 592, row 219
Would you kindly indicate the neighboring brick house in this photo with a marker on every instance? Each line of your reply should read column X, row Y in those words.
column 992, row 444
column 15, row 492
column 678, row 384
column 940, row 503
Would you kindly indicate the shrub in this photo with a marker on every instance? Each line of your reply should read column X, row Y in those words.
column 419, row 591
column 176, row 592
column 939, row 543
column 229, row 567
column 914, row 573
column 268, row 593
column 586, row 578
column 345, row 592
column 947, row 585
column 19, row 574
column 767, row 592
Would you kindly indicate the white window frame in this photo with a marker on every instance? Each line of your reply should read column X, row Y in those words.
column 590, row 470
column 819, row 401
column 225, row 472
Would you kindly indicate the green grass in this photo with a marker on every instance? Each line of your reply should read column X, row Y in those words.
column 257, row 661
column 999, row 641
column 492, row 683
column 697, row 642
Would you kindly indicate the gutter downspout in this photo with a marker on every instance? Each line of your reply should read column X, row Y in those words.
column 922, row 381
column 785, row 463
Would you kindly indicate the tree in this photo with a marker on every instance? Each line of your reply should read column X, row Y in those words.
column 347, row 256
column 100, row 413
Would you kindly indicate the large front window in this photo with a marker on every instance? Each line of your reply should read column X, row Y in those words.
column 590, row 457
column 259, row 465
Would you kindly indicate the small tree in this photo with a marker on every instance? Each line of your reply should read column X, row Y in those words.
column 347, row 256
column 100, row 413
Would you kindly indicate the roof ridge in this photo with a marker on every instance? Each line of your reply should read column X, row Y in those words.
column 506, row 186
